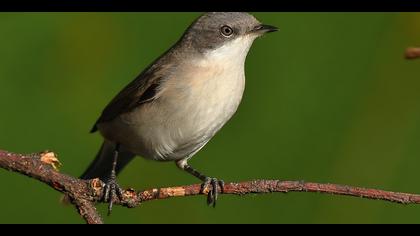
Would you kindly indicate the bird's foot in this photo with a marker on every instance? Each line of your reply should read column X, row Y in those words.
column 111, row 190
column 213, row 193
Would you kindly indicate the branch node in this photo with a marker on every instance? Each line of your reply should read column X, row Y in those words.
column 97, row 187
column 50, row 158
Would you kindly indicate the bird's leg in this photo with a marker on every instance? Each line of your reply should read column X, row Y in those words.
column 111, row 186
column 207, row 181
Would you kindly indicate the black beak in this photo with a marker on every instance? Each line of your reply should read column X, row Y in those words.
column 265, row 29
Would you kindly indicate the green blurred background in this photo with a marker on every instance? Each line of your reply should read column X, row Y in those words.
column 329, row 98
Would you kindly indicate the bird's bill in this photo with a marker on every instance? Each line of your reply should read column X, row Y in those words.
column 262, row 29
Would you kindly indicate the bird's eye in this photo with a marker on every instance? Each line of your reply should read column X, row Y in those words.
column 226, row 31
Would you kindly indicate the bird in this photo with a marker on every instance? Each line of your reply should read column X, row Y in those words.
column 175, row 106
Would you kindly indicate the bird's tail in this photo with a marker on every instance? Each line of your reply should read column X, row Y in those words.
column 101, row 166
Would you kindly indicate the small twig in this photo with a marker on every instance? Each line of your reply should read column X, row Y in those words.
column 88, row 211
column 412, row 53
column 84, row 193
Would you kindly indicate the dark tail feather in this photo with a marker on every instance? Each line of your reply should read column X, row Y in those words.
column 102, row 165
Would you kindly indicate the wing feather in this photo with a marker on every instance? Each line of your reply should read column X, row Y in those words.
column 139, row 91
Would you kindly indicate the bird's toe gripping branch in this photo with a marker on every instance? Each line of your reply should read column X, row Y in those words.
column 213, row 193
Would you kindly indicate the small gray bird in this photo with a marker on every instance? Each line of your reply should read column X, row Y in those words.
column 177, row 104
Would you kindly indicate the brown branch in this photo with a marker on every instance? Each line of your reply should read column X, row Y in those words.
column 44, row 167
column 412, row 53
column 84, row 193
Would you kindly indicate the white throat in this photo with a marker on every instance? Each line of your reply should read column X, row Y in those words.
column 231, row 53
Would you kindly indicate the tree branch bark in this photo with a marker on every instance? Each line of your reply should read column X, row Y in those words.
column 412, row 53
column 85, row 193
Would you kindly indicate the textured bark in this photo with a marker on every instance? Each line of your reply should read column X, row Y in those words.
column 85, row 193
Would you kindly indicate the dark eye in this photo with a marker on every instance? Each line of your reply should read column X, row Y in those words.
column 226, row 31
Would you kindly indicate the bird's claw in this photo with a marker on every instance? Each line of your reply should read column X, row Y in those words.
column 213, row 193
column 111, row 190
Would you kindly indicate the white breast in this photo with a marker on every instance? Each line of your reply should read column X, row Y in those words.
column 216, row 85
column 192, row 105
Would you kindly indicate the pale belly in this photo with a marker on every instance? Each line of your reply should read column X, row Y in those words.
column 183, row 118
column 191, row 105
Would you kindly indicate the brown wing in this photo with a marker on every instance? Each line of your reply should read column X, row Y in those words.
column 142, row 89
column 139, row 91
